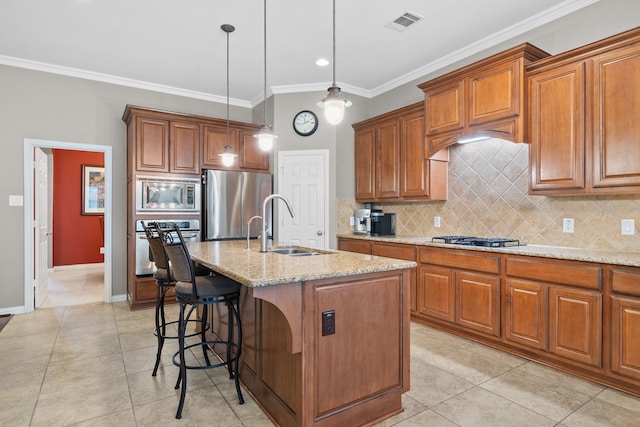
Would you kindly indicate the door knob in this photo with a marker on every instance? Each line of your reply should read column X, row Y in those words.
column 320, row 233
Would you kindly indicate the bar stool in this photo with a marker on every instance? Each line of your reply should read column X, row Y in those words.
column 194, row 291
column 164, row 282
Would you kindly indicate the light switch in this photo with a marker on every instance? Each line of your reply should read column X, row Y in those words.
column 15, row 200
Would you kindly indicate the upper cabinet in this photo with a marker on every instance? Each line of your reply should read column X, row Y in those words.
column 484, row 99
column 390, row 159
column 164, row 142
column 584, row 128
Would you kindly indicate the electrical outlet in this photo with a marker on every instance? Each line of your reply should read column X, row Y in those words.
column 15, row 200
column 628, row 227
column 567, row 225
column 352, row 221
column 102, row 250
column 328, row 322
column 436, row 221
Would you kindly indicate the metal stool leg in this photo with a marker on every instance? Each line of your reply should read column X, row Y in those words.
column 182, row 378
column 160, row 325
column 236, row 360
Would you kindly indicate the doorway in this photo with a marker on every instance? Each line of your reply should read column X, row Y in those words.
column 304, row 180
column 33, row 200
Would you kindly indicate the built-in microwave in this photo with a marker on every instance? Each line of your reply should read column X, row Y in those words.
column 167, row 195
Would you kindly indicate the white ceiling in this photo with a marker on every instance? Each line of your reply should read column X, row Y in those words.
column 177, row 46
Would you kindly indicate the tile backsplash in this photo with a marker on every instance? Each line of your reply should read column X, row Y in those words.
column 487, row 197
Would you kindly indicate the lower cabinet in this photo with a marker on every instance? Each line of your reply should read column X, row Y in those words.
column 579, row 317
column 389, row 250
column 625, row 322
column 448, row 291
column 555, row 306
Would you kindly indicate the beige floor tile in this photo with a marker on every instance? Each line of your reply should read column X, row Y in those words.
column 602, row 413
column 410, row 408
column 465, row 364
column 82, row 372
column 143, row 359
column 21, row 386
column 38, row 344
column 21, row 325
column 137, row 340
column 481, row 408
column 145, row 388
column 85, row 347
column 426, row 418
column 431, row 385
column 551, row 396
column 74, row 285
column 619, row 398
column 83, row 403
column 17, row 414
column 207, row 407
column 492, row 353
column 248, row 410
column 23, row 361
column 119, row 419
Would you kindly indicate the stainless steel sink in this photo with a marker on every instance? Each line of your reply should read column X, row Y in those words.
column 294, row 251
column 299, row 251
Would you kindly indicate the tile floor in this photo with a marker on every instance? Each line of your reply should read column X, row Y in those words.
column 74, row 285
column 90, row 365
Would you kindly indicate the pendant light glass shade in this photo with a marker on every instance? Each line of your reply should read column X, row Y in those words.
column 228, row 156
column 335, row 103
column 265, row 135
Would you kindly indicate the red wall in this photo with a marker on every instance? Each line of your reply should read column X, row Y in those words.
column 76, row 238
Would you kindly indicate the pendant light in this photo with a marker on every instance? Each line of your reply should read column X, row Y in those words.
column 265, row 135
column 228, row 156
column 335, row 103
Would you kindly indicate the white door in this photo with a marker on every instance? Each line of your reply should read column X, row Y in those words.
column 42, row 228
column 303, row 180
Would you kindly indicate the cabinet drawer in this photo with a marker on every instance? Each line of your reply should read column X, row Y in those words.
column 355, row 245
column 568, row 273
column 391, row 250
column 625, row 281
column 466, row 260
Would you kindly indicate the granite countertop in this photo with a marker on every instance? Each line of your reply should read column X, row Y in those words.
column 256, row 269
column 558, row 252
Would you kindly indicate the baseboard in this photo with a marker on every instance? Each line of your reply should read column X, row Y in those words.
column 119, row 298
column 12, row 310
column 77, row 266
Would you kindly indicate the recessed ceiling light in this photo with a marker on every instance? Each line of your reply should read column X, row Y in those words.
column 322, row 62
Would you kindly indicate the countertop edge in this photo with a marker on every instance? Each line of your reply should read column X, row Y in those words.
column 630, row 259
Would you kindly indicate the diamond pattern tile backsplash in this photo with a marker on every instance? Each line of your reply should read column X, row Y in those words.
column 487, row 197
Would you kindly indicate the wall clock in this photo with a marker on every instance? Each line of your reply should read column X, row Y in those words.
column 305, row 123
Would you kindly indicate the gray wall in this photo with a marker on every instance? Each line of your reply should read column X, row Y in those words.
column 46, row 106
column 57, row 108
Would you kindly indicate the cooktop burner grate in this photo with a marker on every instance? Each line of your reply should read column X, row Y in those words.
column 491, row 242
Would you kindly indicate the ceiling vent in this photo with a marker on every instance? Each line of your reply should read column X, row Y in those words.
column 404, row 21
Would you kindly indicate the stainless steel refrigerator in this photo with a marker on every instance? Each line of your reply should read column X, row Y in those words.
column 230, row 199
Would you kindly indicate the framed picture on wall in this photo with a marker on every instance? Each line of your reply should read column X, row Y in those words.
column 92, row 190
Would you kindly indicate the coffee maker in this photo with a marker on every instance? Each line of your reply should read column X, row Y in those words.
column 383, row 224
column 363, row 221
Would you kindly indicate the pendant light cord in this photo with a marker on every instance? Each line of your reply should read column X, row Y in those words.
column 265, row 62
column 334, row 43
column 228, row 129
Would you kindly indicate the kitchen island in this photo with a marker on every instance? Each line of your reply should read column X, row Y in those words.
column 325, row 337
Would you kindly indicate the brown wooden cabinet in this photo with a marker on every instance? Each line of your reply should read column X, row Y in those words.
column 162, row 143
column 625, row 322
column 585, row 136
column 484, row 99
column 389, row 250
column 184, row 143
column 580, row 317
column 462, row 287
column 390, row 162
column 555, row 306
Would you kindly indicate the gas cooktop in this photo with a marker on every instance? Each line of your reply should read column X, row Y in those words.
column 491, row 242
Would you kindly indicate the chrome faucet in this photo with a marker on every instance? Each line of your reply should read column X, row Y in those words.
column 263, row 242
column 249, row 229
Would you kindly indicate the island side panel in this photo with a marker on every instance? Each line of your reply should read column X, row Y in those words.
column 357, row 375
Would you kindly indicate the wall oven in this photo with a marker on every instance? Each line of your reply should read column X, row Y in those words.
column 167, row 195
column 145, row 265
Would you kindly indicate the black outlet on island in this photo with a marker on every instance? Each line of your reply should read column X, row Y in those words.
column 328, row 322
